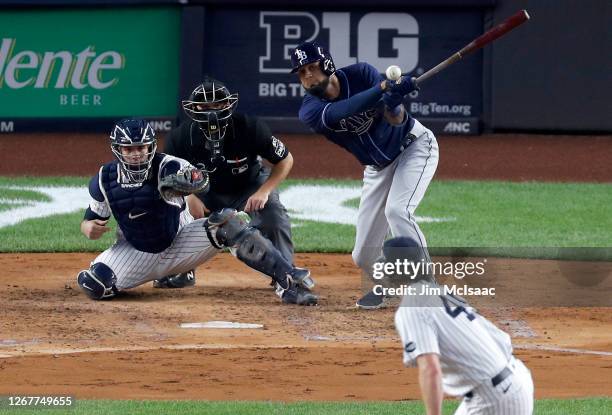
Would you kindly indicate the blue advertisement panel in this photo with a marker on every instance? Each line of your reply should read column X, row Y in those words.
column 250, row 50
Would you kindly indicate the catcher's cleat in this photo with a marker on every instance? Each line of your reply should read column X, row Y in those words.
column 295, row 294
column 301, row 276
column 372, row 301
column 182, row 280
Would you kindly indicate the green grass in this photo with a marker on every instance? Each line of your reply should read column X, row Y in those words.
column 593, row 406
column 26, row 195
column 42, row 181
column 486, row 214
column 312, row 236
column 517, row 214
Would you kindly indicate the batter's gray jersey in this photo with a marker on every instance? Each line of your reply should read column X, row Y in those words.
column 190, row 248
column 472, row 350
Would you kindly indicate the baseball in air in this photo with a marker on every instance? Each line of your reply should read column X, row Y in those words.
column 393, row 72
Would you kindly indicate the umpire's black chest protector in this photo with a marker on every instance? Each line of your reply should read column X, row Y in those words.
column 146, row 220
column 240, row 165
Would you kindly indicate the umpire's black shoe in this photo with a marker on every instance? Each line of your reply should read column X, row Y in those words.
column 296, row 294
column 182, row 280
column 372, row 301
column 301, row 276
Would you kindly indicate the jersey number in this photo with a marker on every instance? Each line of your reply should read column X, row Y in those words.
column 456, row 310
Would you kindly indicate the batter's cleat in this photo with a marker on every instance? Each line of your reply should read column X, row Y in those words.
column 301, row 276
column 182, row 280
column 296, row 294
column 372, row 301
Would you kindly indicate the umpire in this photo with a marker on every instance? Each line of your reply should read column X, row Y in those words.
column 231, row 147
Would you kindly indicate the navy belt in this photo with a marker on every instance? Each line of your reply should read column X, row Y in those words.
column 495, row 380
column 406, row 141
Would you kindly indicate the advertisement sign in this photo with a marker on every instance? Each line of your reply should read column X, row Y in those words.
column 89, row 63
column 250, row 51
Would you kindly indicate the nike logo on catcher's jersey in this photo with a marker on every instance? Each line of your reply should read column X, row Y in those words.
column 136, row 216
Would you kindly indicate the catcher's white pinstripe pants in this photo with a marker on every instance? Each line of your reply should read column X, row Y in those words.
column 190, row 248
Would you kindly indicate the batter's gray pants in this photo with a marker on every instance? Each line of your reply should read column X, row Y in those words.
column 390, row 196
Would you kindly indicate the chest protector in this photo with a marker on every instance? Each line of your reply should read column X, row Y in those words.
column 146, row 220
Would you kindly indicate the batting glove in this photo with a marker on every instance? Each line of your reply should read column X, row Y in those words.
column 406, row 86
column 392, row 100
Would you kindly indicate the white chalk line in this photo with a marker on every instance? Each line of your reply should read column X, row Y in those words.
column 520, row 328
column 222, row 346
column 548, row 348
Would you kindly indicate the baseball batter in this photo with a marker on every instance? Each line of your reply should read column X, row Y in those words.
column 156, row 236
column 356, row 108
column 457, row 351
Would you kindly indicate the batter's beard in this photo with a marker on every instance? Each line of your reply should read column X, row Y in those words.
column 319, row 89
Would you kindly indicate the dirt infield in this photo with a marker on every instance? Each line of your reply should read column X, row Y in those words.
column 517, row 157
column 56, row 341
column 53, row 340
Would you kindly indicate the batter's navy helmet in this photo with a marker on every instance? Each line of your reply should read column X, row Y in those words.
column 401, row 246
column 133, row 133
column 309, row 52
column 406, row 248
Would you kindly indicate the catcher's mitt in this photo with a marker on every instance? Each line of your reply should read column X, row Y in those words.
column 184, row 182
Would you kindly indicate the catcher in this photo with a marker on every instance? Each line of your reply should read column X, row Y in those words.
column 156, row 235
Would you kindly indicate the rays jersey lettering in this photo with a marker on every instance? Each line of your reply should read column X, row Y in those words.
column 367, row 135
column 358, row 124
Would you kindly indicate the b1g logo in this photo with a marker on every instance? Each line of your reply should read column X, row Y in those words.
column 383, row 39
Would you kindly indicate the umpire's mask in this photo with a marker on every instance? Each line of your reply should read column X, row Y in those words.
column 211, row 105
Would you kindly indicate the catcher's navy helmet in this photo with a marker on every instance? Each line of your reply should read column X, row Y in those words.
column 309, row 52
column 134, row 133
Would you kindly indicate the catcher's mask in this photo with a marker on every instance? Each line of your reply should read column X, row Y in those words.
column 211, row 105
column 132, row 133
column 309, row 52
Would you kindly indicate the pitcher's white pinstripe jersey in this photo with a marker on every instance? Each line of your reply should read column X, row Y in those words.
column 472, row 350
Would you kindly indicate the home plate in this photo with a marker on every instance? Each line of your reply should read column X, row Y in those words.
column 221, row 325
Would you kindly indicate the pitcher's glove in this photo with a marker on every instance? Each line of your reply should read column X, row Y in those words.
column 187, row 180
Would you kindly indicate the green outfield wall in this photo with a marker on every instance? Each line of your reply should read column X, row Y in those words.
column 89, row 62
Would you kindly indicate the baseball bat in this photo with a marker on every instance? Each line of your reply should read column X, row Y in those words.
column 489, row 36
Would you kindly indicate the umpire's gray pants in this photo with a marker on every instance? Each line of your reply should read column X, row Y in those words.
column 272, row 221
